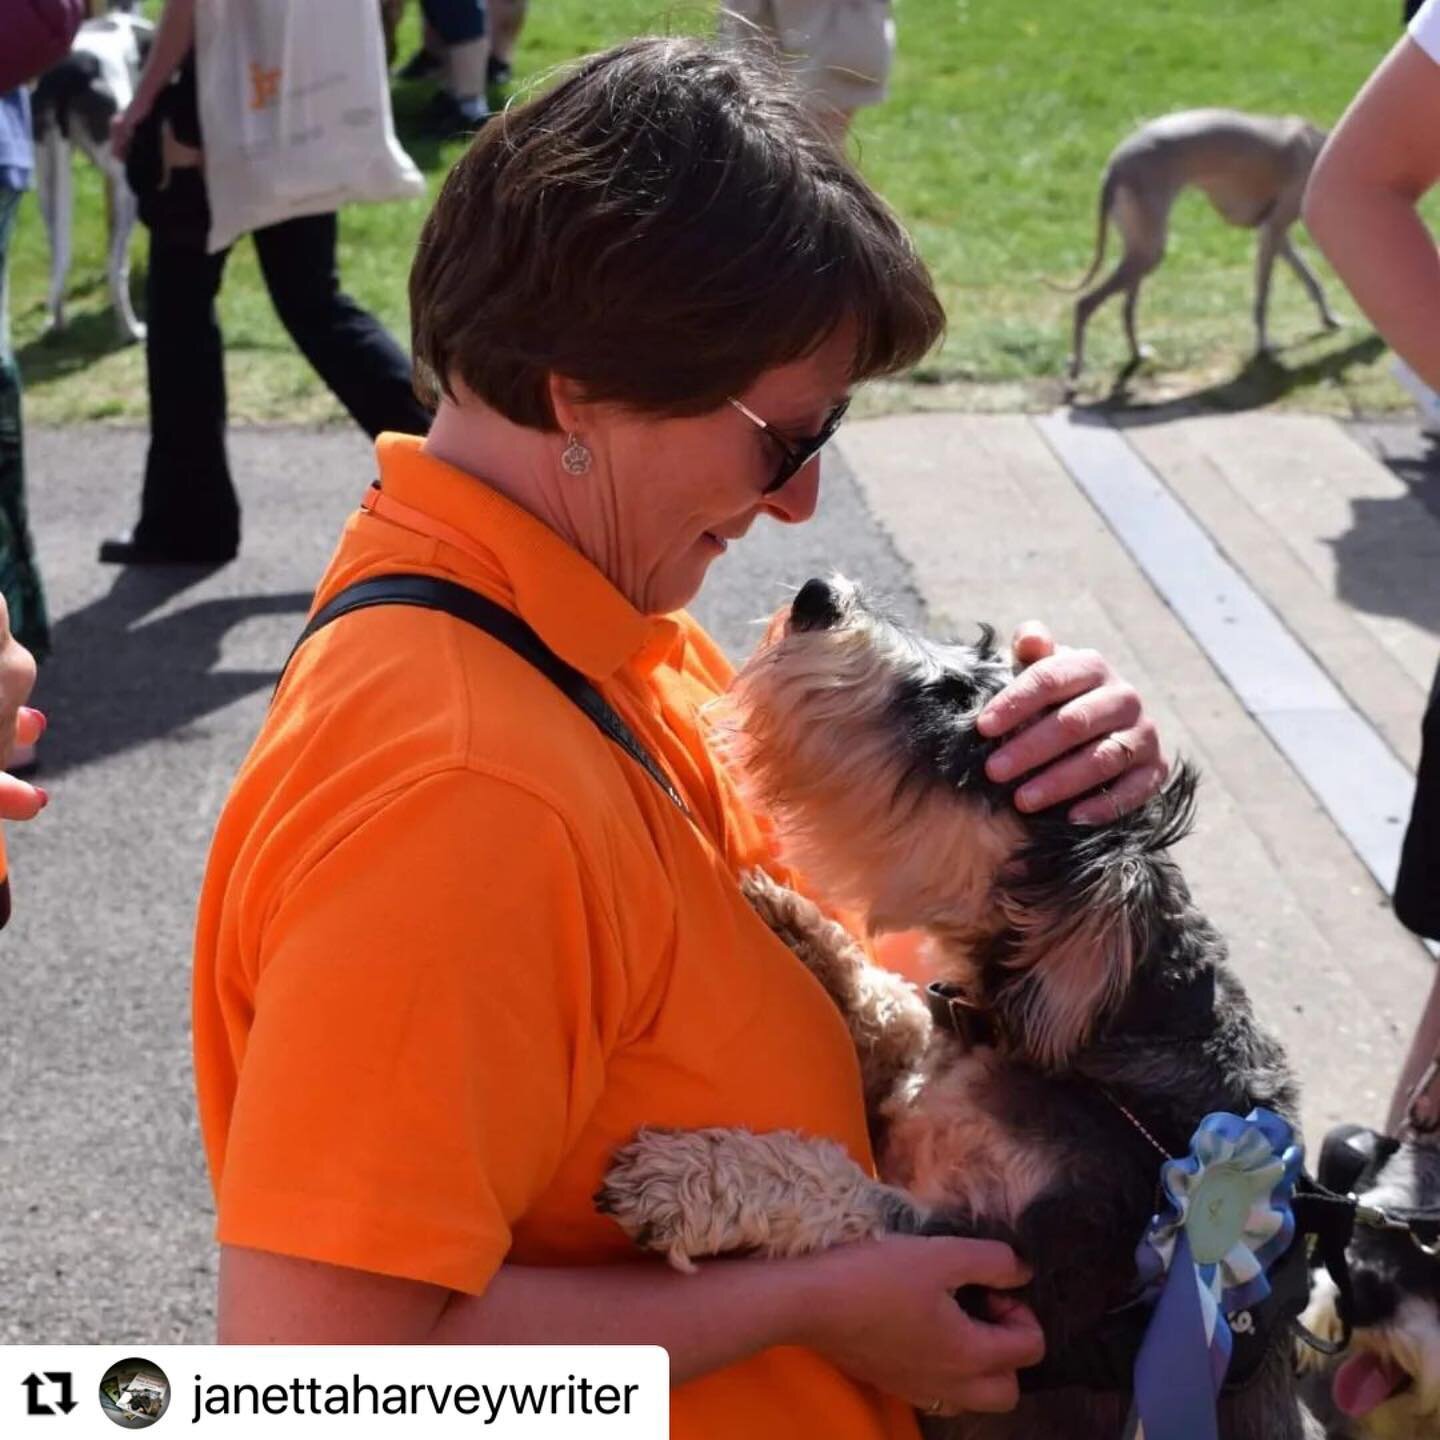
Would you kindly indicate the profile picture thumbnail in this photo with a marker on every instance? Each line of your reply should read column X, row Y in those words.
column 134, row 1393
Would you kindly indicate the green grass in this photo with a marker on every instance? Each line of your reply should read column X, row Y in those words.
column 1000, row 119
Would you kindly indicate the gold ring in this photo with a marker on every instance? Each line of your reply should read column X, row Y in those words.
column 1127, row 747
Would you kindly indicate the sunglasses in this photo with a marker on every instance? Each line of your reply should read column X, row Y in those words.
column 795, row 453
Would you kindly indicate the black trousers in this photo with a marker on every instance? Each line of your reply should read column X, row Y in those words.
column 1417, row 891
column 189, row 506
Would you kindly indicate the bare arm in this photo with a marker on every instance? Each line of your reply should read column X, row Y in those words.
column 880, row 1311
column 174, row 39
column 1361, row 204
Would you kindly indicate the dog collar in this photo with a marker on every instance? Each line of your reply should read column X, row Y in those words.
column 954, row 1011
column 1181, row 1011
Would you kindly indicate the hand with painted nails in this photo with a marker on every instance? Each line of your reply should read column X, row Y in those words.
column 1074, row 727
column 19, row 724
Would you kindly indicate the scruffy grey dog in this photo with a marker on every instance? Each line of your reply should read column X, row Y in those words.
column 1387, row 1386
column 1086, row 980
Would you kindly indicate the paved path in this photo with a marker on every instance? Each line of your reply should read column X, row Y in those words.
column 159, row 681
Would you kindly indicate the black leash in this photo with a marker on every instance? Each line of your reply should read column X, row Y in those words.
column 431, row 593
column 1325, row 1223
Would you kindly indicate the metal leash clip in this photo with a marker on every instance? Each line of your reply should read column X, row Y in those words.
column 1376, row 1217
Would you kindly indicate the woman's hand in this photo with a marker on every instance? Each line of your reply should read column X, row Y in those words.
column 885, row 1313
column 1075, row 725
column 123, row 126
column 19, row 725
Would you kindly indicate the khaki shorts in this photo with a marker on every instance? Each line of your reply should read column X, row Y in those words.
column 840, row 50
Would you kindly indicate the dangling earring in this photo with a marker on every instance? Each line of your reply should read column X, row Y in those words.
column 576, row 456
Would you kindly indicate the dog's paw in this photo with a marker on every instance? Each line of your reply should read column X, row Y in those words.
column 647, row 1190
column 133, row 334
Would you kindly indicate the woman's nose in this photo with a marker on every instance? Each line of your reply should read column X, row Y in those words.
column 797, row 499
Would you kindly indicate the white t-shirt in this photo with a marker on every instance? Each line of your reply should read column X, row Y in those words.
column 1425, row 29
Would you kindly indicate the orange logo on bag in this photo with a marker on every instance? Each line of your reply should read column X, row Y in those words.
column 264, row 86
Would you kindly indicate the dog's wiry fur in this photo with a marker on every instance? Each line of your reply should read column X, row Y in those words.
column 1396, row 1314
column 858, row 737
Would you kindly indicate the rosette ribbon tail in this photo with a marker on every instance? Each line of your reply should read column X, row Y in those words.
column 1184, row 1357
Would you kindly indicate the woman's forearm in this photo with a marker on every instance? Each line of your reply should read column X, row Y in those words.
column 1381, row 249
column 174, row 39
column 731, row 1310
column 1361, row 203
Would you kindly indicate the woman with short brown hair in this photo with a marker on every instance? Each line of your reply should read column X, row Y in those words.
column 456, row 944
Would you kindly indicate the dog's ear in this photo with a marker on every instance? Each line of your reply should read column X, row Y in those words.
column 1081, row 902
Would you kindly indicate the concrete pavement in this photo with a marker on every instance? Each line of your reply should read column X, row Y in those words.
column 159, row 681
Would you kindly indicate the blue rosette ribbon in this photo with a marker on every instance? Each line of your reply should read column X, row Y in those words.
column 1225, row 1218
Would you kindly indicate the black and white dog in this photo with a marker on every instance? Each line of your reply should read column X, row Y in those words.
column 73, row 105
column 1386, row 1386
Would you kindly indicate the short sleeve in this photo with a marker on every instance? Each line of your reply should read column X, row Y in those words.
column 429, row 1031
column 1425, row 29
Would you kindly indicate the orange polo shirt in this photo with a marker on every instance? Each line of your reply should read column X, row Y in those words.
column 455, row 946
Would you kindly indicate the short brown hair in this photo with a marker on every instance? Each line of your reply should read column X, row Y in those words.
column 663, row 226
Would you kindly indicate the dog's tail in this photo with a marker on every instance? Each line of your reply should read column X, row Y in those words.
column 1107, row 196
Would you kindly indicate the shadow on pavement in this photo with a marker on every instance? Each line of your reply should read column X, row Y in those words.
column 121, row 680
column 1386, row 564
column 1262, row 380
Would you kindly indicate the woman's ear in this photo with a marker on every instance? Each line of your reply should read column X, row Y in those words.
column 567, row 403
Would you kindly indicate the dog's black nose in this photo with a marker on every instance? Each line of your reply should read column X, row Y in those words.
column 816, row 607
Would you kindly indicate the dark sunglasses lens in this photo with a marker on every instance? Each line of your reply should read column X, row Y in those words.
column 788, row 467
column 801, row 454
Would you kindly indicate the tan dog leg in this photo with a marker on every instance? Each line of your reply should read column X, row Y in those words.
column 888, row 1020
column 689, row 1193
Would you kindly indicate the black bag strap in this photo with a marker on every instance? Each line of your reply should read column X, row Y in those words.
column 431, row 593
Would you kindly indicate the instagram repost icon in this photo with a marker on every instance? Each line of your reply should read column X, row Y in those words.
column 134, row 1393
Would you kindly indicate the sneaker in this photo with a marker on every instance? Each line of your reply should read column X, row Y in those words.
column 420, row 66
column 444, row 118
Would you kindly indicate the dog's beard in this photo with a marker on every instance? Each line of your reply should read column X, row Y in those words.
column 810, row 728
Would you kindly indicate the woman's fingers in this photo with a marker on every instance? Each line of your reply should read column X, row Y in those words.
column 1074, row 726
column 19, row 801
column 1128, row 793
column 1013, row 1341
column 990, row 1263
column 29, row 725
column 1047, row 683
column 1090, row 716
column 1031, row 641
column 1101, row 762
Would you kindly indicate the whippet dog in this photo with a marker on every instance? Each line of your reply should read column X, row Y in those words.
column 1253, row 168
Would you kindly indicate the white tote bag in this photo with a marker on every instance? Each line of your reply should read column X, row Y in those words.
column 294, row 111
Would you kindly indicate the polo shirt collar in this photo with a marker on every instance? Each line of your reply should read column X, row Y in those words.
column 570, row 604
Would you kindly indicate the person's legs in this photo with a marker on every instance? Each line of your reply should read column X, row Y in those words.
column 19, row 576
column 462, row 26
column 507, row 18
column 350, row 349
column 189, row 510
column 1417, row 895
